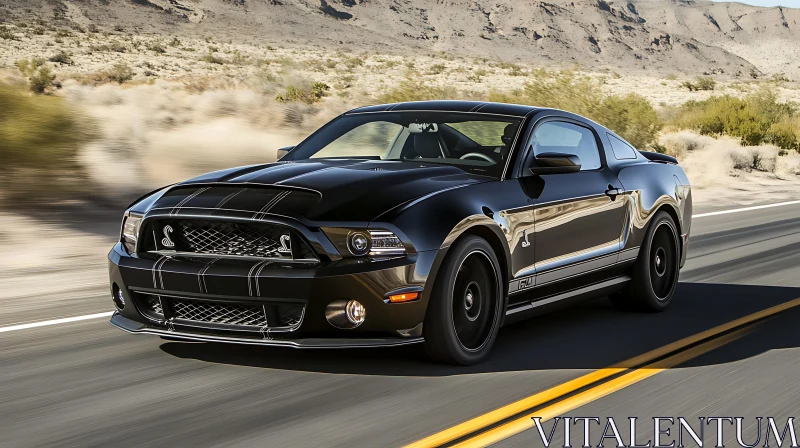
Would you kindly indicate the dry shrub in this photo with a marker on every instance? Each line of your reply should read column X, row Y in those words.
column 788, row 165
column 119, row 73
column 410, row 90
column 678, row 144
column 755, row 158
column 712, row 161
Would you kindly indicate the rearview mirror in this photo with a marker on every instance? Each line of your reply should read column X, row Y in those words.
column 283, row 151
column 556, row 163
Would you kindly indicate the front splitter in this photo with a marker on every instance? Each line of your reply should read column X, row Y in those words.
column 131, row 326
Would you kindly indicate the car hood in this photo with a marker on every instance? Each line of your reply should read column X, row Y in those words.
column 320, row 190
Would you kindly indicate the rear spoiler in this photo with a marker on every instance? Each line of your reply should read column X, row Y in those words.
column 658, row 157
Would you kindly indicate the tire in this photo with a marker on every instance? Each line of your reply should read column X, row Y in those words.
column 655, row 274
column 466, row 304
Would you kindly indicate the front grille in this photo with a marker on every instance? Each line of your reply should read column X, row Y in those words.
column 219, row 313
column 229, row 239
column 234, row 314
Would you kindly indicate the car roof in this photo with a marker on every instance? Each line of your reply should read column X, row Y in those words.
column 484, row 107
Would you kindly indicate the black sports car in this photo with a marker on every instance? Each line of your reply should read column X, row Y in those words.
column 426, row 222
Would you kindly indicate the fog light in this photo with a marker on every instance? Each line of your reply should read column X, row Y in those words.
column 356, row 313
column 117, row 297
column 345, row 314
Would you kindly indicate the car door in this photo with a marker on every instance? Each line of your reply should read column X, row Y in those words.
column 577, row 218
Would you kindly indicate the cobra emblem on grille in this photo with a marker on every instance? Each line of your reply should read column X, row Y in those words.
column 286, row 245
column 166, row 241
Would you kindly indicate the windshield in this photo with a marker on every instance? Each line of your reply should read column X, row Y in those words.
column 473, row 142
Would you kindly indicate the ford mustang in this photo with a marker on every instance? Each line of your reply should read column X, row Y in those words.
column 433, row 222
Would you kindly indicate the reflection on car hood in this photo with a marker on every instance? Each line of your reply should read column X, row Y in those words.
column 323, row 189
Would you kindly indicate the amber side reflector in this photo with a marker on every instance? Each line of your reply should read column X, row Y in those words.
column 407, row 297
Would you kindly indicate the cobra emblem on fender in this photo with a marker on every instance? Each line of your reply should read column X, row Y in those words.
column 166, row 242
column 286, row 245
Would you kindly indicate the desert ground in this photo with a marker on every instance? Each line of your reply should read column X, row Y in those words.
column 186, row 106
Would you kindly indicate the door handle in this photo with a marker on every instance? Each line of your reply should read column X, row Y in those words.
column 613, row 192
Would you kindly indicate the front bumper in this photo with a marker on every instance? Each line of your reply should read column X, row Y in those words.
column 314, row 287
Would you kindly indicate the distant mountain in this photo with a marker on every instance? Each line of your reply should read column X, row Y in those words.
column 662, row 36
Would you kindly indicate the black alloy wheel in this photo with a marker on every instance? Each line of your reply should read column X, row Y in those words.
column 473, row 300
column 466, row 304
column 663, row 262
column 655, row 274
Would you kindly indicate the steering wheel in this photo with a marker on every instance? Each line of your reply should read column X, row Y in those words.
column 478, row 156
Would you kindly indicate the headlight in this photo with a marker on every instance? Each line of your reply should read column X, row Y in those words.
column 130, row 231
column 385, row 243
column 359, row 243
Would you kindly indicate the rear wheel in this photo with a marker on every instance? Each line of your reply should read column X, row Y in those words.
column 655, row 274
column 463, row 317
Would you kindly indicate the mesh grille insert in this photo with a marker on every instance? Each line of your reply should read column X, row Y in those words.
column 231, row 238
column 256, row 316
column 220, row 313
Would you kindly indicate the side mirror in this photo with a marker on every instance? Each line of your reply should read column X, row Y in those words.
column 283, row 151
column 556, row 163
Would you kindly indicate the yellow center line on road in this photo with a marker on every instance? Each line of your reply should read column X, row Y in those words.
column 498, row 415
column 525, row 422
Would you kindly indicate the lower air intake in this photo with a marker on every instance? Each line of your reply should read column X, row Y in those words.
column 252, row 316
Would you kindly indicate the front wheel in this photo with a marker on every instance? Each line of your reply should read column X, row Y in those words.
column 655, row 274
column 466, row 304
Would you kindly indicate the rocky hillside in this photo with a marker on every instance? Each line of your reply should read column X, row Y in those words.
column 659, row 36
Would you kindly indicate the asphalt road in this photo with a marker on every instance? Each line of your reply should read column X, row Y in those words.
column 88, row 384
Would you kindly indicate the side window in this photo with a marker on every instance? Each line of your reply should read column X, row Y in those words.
column 567, row 138
column 621, row 149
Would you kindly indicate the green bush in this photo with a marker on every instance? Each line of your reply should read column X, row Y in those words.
column 62, row 57
column 308, row 95
column 785, row 134
column 631, row 116
column 755, row 119
column 40, row 77
column 437, row 69
column 42, row 80
column 37, row 133
column 156, row 47
column 353, row 62
column 702, row 83
column 212, row 59
column 6, row 33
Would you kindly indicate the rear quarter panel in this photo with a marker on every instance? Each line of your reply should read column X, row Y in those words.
column 652, row 187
